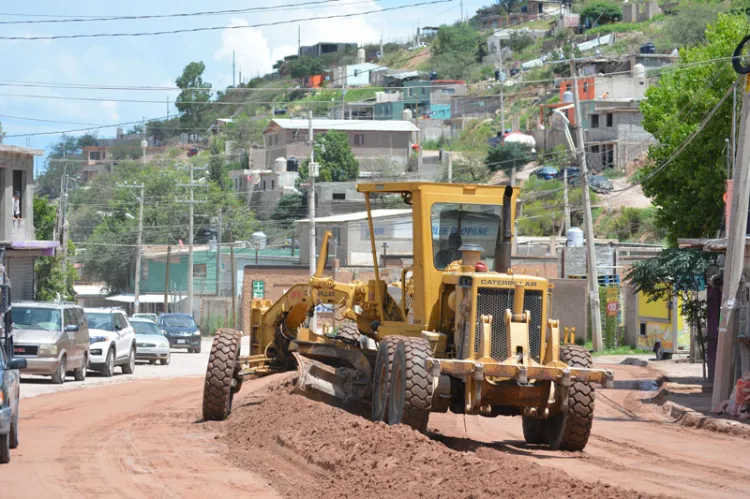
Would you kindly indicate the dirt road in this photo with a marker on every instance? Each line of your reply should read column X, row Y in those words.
column 134, row 439
column 633, row 445
column 144, row 438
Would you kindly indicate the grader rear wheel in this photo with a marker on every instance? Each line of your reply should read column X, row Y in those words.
column 410, row 397
column 220, row 387
column 571, row 430
column 382, row 377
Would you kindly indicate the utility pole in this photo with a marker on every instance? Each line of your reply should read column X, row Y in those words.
column 233, row 72
column 234, row 286
column 382, row 53
column 502, row 87
column 593, row 279
column 450, row 167
column 462, row 11
column 166, row 281
column 137, row 286
column 191, row 204
column 313, row 171
column 734, row 262
column 299, row 40
column 218, row 257
column 566, row 202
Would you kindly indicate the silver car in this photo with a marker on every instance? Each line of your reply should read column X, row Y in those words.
column 152, row 344
column 52, row 337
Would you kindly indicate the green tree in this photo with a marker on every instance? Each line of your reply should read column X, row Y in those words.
column 688, row 26
column 64, row 156
column 217, row 170
column 688, row 193
column 194, row 95
column 675, row 273
column 602, row 12
column 335, row 157
column 304, row 66
column 543, row 207
column 456, row 50
column 2, row 133
column 508, row 156
column 290, row 208
column 52, row 280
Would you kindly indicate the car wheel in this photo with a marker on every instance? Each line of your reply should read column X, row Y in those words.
column 80, row 373
column 14, row 433
column 165, row 362
column 59, row 377
column 4, row 449
column 129, row 368
column 109, row 364
column 190, row 350
column 197, row 350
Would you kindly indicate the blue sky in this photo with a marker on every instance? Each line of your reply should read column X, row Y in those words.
column 158, row 60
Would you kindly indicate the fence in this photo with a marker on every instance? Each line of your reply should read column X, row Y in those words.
column 216, row 313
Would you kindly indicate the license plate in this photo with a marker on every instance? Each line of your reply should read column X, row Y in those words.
column 180, row 342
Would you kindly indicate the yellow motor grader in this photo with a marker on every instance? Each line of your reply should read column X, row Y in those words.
column 461, row 331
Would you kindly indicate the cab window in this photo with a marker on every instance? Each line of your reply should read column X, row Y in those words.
column 454, row 225
column 69, row 318
column 121, row 321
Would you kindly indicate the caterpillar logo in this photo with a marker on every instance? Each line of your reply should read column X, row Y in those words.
column 495, row 282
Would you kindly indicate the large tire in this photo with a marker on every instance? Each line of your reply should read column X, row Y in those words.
column 382, row 377
column 14, row 432
column 58, row 378
column 80, row 373
column 534, row 430
column 410, row 399
column 4, row 449
column 571, row 430
column 109, row 364
column 348, row 332
column 129, row 366
column 222, row 364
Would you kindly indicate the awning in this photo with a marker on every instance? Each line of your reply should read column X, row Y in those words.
column 47, row 247
column 150, row 298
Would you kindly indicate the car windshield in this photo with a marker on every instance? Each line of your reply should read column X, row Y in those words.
column 36, row 318
column 145, row 316
column 146, row 328
column 100, row 321
column 454, row 225
column 179, row 321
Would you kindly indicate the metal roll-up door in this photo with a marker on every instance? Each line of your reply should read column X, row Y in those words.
column 21, row 272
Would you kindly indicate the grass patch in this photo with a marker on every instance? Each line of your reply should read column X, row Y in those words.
column 621, row 350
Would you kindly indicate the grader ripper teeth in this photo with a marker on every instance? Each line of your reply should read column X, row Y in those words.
column 450, row 335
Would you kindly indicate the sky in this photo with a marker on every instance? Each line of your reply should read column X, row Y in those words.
column 158, row 60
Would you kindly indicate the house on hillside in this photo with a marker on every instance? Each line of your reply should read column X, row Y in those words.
column 376, row 144
column 100, row 157
column 324, row 48
column 353, row 75
column 18, row 244
column 426, row 99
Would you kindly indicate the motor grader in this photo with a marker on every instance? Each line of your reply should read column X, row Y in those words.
column 450, row 335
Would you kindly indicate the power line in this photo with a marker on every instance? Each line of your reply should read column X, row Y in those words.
column 217, row 28
column 78, row 19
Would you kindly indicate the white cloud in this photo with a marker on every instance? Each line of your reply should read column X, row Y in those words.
column 249, row 46
column 110, row 110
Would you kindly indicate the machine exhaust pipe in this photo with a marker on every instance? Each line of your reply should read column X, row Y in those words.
column 504, row 235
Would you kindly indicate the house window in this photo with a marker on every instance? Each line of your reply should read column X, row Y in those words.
column 264, row 185
column 594, row 121
column 585, row 87
column 273, row 184
column 609, row 120
column 95, row 155
column 339, row 196
column 359, row 139
column 199, row 270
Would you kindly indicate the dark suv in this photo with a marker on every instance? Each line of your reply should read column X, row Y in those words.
column 10, row 394
column 182, row 331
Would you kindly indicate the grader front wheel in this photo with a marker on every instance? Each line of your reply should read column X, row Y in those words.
column 220, row 387
column 410, row 390
column 571, row 429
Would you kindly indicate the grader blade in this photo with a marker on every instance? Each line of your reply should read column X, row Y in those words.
column 330, row 372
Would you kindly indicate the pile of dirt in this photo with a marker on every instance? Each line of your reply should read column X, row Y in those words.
column 310, row 449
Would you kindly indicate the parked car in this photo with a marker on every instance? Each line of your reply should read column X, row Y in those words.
column 600, row 184
column 151, row 342
column 546, row 172
column 193, row 151
column 112, row 341
column 182, row 331
column 152, row 317
column 52, row 337
column 10, row 395
column 573, row 173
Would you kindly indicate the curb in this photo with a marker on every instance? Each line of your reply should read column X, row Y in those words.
column 685, row 416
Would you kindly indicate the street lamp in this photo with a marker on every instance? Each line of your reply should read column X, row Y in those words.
column 258, row 239
column 144, row 145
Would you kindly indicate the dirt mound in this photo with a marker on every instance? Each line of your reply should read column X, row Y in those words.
column 310, row 449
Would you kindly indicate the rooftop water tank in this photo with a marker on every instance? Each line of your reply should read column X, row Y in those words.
column 259, row 239
column 520, row 138
column 361, row 56
column 648, row 48
column 568, row 96
column 407, row 115
column 575, row 238
column 279, row 165
column 639, row 71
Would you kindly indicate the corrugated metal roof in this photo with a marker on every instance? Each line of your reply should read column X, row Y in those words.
column 339, row 125
column 360, row 215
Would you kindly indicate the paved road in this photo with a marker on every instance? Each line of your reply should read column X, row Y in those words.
column 183, row 364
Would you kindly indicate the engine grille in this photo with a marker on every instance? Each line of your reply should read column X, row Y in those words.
column 495, row 301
